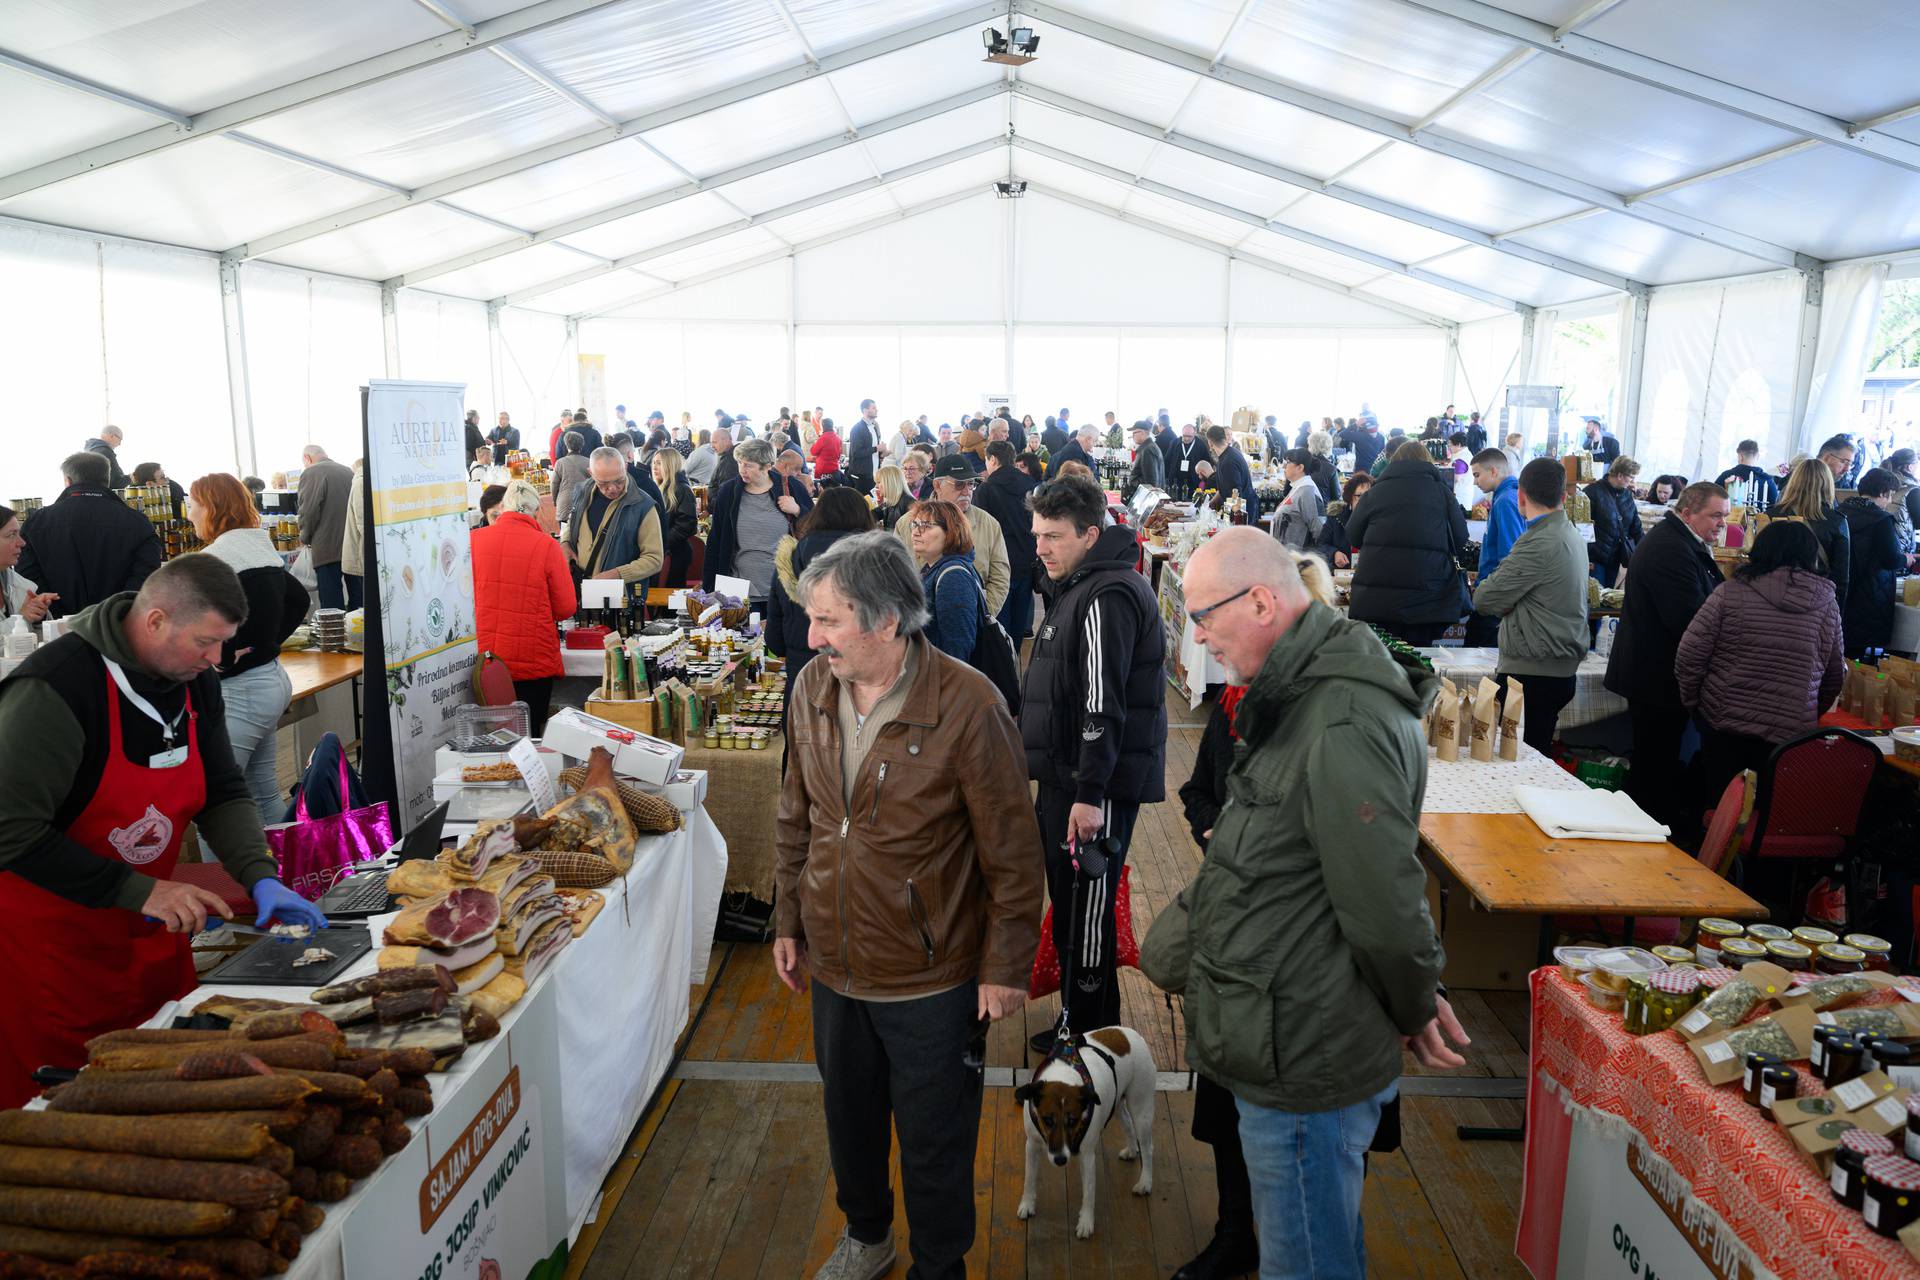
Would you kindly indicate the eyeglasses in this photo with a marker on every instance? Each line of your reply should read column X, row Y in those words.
column 1200, row 616
column 922, row 526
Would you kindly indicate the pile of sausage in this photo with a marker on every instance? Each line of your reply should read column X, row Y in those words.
column 201, row 1155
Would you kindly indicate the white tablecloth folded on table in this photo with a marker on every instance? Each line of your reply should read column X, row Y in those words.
column 1589, row 815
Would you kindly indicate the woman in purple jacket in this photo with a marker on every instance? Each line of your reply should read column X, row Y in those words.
column 1761, row 660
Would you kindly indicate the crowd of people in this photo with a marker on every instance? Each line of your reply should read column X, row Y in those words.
column 929, row 812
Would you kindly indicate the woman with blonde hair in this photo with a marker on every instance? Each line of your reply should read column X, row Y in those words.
column 1808, row 497
column 679, row 516
column 253, row 684
column 890, row 492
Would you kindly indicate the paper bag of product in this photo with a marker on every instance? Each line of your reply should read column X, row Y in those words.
column 1850, row 687
column 1446, row 722
column 613, row 681
column 1787, row 1034
column 1441, row 703
column 1875, row 713
column 1486, row 719
column 1903, row 701
column 1510, row 722
column 1463, row 733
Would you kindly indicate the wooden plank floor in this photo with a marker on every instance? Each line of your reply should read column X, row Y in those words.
column 729, row 1177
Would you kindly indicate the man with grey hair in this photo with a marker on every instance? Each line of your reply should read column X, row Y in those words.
column 1078, row 449
column 705, row 459
column 1311, row 864
column 107, row 444
column 879, row 730
column 88, row 544
column 324, row 487
column 614, row 530
column 569, row 473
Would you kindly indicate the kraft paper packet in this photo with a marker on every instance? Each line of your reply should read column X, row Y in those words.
column 1486, row 719
column 1883, row 1111
column 1441, row 700
column 1464, row 734
column 1721, row 1063
column 1876, row 710
column 1446, row 723
column 1808, row 994
column 1850, row 688
column 1770, row 980
column 1910, row 1234
column 1510, row 721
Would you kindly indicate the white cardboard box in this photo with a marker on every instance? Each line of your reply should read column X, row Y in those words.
column 635, row 755
column 686, row 790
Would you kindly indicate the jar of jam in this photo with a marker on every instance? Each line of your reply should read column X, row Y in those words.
column 1790, row 954
column 1838, row 958
column 1817, row 1056
column 1755, row 1064
column 1890, row 1199
column 1850, row 1155
column 1675, row 955
column 1738, row 953
column 1769, row 932
column 1707, row 941
column 1883, row 1052
column 1814, row 936
column 1879, row 951
column 1841, row 1060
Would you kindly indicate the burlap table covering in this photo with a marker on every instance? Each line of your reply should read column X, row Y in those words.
column 743, row 798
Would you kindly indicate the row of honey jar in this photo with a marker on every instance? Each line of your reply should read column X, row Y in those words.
column 1807, row 949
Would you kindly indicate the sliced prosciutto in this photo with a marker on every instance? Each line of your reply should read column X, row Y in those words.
column 447, row 922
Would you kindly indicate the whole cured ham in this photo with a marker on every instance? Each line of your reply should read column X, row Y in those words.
column 593, row 820
column 447, row 922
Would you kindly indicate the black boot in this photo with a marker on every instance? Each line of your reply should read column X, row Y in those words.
column 1233, row 1251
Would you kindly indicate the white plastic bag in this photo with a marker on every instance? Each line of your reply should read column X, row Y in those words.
column 302, row 570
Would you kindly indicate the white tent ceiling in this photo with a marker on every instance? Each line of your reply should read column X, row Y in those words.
column 1446, row 155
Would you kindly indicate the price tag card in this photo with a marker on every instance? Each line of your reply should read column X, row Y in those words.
column 533, row 771
column 603, row 593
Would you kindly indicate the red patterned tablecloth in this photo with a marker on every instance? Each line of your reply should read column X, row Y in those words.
column 1740, row 1164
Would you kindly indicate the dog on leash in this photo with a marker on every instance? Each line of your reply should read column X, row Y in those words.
column 1069, row 1101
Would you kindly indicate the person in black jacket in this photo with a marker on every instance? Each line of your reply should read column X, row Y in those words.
column 1334, row 545
column 1766, row 488
column 1093, row 719
column 839, row 512
column 106, row 445
column 861, row 441
column 1409, row 533
column 88, row 545
column 1078, row 448
column 1184, row 454
column 1003, row 495
column 1227, row 471
column 1364, row 439
column 1603, row 446
column 1670, row 576
column 1808, row 496
column 1616, row 521
column 736, row 548
column 1875, row 547
column 1055, row 437
column 679, row 515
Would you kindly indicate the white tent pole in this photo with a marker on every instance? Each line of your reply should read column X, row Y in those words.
column 497, row 373
column 239, row 394
column 793, row 332
column 1664, row 75
column 315, row 88
column 1811, row 299
column 1453, row 364
column 1010, row 303
column 684, row 110
column 1226, row 361
column 1632, row 377
column 390, row 328
column 44, row 72
column 1426, row 140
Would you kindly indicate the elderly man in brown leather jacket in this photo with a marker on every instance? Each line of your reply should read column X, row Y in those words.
column 909, row 887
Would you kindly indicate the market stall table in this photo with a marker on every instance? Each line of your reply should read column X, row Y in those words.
column 1592, row 702
column 312, row 670
column 1626, row 1139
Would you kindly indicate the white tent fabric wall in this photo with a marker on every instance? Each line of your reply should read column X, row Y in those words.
column 1490, row 360
column 1849, row 310
column 312, row 343
column 1720, row 362
column 445, row 339
column 1307, row 374
column 537, row 373
column 54, row 391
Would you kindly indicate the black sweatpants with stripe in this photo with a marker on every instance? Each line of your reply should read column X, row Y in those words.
column 1086, row 945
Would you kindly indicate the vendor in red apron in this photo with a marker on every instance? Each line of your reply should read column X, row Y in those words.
column 115, row 739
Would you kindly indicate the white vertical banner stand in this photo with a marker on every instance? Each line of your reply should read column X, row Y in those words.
column 417, row 483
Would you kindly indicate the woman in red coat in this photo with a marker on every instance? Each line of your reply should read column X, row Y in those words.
column 826, row 449
column 521, row 591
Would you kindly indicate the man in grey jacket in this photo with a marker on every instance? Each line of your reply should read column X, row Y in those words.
column 1149, row 464
column 324, row 485
column 1303, row 945
column 1539, row 593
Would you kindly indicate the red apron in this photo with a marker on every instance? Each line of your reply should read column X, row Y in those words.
column 73, row 972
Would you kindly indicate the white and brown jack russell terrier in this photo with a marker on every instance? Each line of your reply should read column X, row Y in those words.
column 1069, row 1101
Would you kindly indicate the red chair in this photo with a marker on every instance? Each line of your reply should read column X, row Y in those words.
column 1810, row 795
column 1716, row 850
column 696, row 562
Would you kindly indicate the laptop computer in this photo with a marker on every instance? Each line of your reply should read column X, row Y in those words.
column 359, row 896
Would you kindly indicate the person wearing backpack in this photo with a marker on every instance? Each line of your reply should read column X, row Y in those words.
column 1093, row 718
column 943, row 545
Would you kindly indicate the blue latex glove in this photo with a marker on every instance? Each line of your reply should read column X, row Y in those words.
column 275, row 899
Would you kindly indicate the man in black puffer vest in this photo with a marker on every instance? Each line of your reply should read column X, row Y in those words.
column 1093, row 719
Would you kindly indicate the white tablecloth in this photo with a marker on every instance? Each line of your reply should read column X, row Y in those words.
column 1591, row 701
column 1474, row 786
column 622, row 991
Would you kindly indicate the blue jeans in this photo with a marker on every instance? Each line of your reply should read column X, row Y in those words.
column 1307, row 1170
column 1016, row 615
column 332, row 591
column 255, row 702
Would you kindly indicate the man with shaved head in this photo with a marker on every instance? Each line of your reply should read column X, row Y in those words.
column 1310, row 870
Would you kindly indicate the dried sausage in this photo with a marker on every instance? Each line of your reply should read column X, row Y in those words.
column 303, row 1052
column 240, row 1185
column 247, row 1259
column 334, row 1086
column 67, row 1246
column 60, row 1209
column 388, row 980
column 142, row 1266
column 110, row 1097
column 356, row 1156
column 199, row 1137
column 222, row 1064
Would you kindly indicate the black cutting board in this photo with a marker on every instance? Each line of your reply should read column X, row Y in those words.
column 269, row 962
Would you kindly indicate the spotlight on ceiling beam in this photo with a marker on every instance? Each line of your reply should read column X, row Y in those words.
column 1011, row 189
column 1017, row 53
